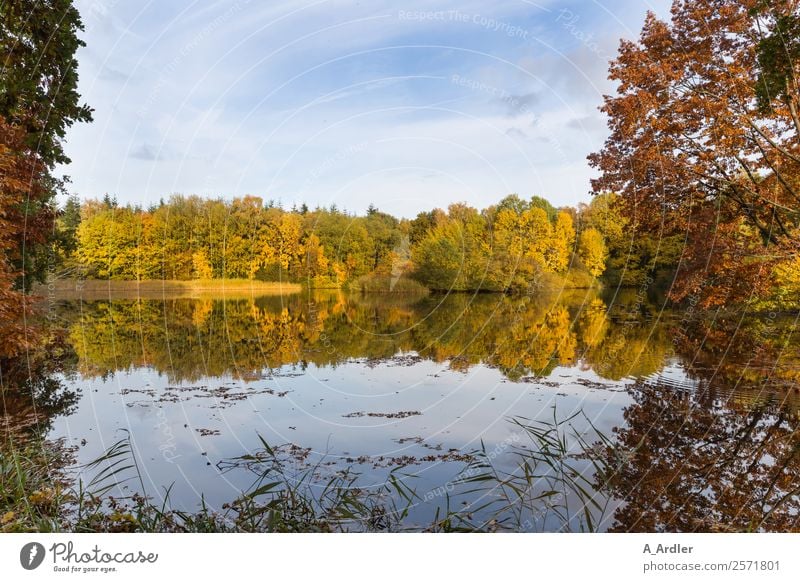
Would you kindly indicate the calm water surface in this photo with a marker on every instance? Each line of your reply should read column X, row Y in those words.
column 413, row 385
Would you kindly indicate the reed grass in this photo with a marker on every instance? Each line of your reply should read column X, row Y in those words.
column 551, row 483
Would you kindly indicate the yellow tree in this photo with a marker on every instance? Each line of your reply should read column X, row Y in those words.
column 109, row 244
column 535, row 234
column 563, row 240
column 281, row 243
column 291, row 247
column 201, row 266
column 316, row 263
column 592, row 251
column 786, row 289
column 520, row 243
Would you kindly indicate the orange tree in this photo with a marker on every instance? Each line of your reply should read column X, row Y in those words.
column 704, row 141
column 38, row 103
column 21, row 184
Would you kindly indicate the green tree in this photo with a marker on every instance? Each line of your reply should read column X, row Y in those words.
column 385, row 235
column 39, row 73
column 67, row 224
column 544, row 204
column 455, row 254
column 423, row 223
column 778, row 53
column 514, row 203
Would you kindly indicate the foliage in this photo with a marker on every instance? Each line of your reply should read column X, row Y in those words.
column 695, row 151
column 778, row 52
column 39, row 73
column 454, row 254
column 787, row 285
column 507, row 248
column 21, row 188
column 463, row 249
column 592, row 250
column 557, row 257
column 67, row 224
column 38, row 103
column 633, row 256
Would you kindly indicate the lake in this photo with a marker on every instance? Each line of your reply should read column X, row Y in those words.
column 702, row 413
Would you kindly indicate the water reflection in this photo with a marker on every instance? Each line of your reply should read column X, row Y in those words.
column 696, row 463
column 703, row 413
column 33, row 390
column 188, row 339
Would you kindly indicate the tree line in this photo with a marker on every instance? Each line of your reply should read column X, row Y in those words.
column 509, row 247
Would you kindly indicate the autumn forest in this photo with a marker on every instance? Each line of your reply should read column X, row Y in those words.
column 510, row 247
column 653, row 322
column 681, row 161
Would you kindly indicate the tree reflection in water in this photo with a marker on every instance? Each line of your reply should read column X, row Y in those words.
column 718, row 449
column 725, row 455
column 695, row 462
column 33, row 392
column 187, row 338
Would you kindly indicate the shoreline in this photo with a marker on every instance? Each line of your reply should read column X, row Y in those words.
column 66, row 289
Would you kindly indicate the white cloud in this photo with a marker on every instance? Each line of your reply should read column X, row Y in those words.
column 227, row 98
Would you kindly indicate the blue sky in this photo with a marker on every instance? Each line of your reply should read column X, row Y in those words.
column 408, row 105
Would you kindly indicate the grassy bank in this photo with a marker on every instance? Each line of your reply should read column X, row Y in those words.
column 157, row 289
